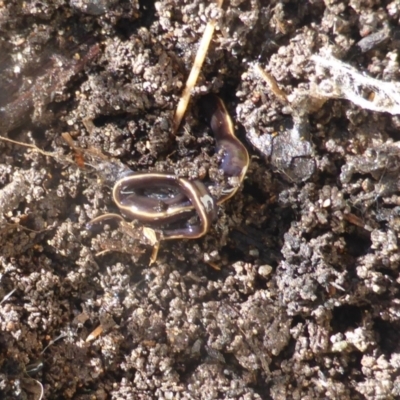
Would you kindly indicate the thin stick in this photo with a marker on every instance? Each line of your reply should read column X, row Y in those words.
column 7, row 296
column 272, row 83
column 35, row 148
column 195, row 71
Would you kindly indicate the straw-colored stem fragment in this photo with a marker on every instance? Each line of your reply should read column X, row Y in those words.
column 272, row 83
column 195, row 71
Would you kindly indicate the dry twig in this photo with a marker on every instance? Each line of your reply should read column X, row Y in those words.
column 195, row 71
column 279, row 93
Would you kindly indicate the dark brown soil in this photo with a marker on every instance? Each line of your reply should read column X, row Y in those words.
column 294, row 292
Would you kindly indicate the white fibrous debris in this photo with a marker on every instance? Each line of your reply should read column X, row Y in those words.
column 346, row 82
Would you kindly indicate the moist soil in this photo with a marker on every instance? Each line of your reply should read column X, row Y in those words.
column 294, row 291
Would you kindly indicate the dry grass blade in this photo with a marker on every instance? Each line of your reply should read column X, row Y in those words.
column 195, row 71
column 7, row 296
column 95, row 333
column 35, row 148
column 279, row 93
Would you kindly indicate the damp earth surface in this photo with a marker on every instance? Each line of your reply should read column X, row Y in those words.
column 292, row 294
